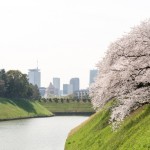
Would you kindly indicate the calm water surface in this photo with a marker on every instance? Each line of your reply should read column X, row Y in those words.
column 37, row 134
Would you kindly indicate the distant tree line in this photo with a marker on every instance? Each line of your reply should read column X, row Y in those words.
column 14, row 84
column 64, row 100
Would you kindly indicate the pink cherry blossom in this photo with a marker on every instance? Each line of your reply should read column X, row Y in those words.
column 124, row 73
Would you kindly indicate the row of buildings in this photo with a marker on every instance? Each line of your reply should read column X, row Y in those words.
column 68, row 89
column 73, row 87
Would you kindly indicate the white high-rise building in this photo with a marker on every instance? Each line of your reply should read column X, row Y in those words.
column 34, row 76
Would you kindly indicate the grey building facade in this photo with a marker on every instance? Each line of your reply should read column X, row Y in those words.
column 82, row 94
column 56, row 84
column 75, row 82
column 67, row 89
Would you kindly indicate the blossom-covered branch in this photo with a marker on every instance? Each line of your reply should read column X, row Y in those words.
column 125, row 73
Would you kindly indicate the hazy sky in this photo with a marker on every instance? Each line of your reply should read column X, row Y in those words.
column 67, row 37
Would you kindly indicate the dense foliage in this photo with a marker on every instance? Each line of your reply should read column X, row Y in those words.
column 14, row 84
column 125, row 73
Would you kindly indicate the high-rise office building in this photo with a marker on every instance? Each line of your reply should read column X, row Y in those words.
column 75, row 82
column 56, row 84
column 67, row 89
column 93, row 75
column 34, row 76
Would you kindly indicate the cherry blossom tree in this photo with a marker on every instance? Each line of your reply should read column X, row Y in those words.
column 125, row 73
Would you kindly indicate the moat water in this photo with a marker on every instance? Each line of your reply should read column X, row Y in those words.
column 37, row 134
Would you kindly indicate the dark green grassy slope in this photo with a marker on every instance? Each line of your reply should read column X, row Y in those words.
column 97, row 134
column 10, row 109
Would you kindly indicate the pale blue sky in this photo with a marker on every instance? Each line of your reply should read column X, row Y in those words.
column 68, row 37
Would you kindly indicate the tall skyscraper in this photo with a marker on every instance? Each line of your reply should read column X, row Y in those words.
column 75, row 82
column 93, row 75
column 67, row 89
column 56, row 84
column 34, row 76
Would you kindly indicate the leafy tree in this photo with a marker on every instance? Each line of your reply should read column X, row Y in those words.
column 3, row 83
column 68, row 100
column 35, row 94
column 2, row 88
column 56, row 100
column 62, row 100
column 17, row 84
column 30, row 91
column 50, row 100
column 14, row 84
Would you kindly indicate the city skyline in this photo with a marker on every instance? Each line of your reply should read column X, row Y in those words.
column 68, row 38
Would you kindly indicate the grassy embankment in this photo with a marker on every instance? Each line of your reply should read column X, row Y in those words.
column 97, row 134
column 11, row 109
column 71, row 106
